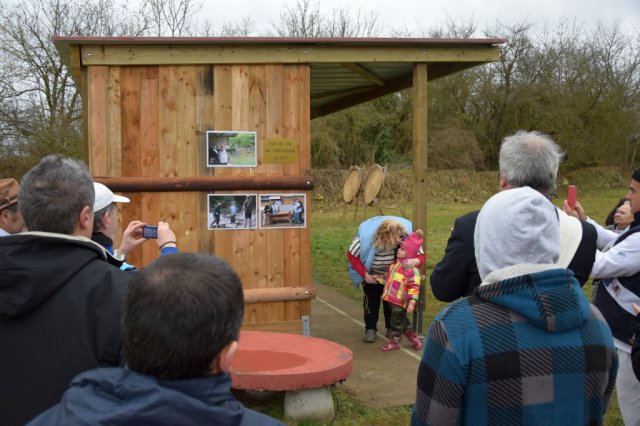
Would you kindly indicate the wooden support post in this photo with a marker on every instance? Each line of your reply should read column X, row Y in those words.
column 420, row 162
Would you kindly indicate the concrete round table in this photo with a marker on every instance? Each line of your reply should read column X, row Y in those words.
column 302, row 366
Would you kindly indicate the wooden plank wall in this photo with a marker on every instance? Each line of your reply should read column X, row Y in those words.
column 151, row 121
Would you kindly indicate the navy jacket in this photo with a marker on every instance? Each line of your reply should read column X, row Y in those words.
column 118, row 397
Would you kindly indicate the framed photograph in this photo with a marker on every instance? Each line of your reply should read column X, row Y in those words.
column 283, row 211
column 232, row 211
column 231, row 149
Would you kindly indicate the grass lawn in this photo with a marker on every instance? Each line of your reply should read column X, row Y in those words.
column 331, row 235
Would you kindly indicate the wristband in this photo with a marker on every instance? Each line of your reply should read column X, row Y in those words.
column 165, row 243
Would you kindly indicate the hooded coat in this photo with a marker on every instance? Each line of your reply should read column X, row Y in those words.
column 118, row 396
column 526, row 348
column 60, row 314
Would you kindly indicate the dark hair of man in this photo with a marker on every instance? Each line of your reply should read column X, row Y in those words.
column 530, row 159
column 97, row 216
column 53, row 193
column 13, row 208
column 180, row 312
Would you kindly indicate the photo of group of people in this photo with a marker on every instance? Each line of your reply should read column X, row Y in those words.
column 231, row 149
column 282, row 210
column 250, row 211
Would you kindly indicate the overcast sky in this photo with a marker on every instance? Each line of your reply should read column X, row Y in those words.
column 415, row 15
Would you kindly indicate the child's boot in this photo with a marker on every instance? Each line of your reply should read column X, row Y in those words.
column 414, row 339
column 392, row 345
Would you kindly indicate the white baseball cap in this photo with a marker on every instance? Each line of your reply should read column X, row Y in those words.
column 105, row 197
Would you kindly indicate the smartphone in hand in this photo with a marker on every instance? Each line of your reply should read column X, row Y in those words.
column 149, row 231
column 572, row 193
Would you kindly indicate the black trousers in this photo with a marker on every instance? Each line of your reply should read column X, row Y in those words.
column 371, row 299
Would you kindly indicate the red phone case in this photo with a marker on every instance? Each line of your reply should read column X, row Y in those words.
column 572, row 192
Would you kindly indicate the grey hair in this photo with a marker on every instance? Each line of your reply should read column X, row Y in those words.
column 530, row 159
column 97, row 216
column 53, row 193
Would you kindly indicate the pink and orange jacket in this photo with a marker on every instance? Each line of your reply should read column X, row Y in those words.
column 402, row 286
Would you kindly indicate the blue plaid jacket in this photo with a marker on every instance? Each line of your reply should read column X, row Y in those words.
column 527, row 350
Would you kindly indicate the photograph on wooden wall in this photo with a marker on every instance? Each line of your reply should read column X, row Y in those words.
column 232, row 211
column 283, row 211
column 231, row 149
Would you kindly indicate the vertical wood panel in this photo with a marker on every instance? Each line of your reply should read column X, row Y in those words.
column 258, row 106
column 291, row 125
column 186, row 157
column 291, row 115
column 224, row 242
column 244, row 250
column 97, row 126
column 131, row 147
column 114, row 123
column 130, row 119
column 149, row 154
column 168, row 118
column 205, row 106
column 274, row 129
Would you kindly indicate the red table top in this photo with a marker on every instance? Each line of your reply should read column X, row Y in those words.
column 281, row 361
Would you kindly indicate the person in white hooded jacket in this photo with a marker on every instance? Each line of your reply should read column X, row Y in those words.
column 526, row 347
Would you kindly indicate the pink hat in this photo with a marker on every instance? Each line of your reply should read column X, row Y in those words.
column 411, row 245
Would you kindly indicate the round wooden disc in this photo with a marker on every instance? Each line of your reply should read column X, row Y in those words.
column 373, row 183
column 351, row 186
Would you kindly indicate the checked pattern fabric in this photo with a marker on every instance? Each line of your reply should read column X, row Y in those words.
column 528, row 350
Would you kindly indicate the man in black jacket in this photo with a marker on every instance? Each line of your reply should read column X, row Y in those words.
column 60, row 299
column 526, row 159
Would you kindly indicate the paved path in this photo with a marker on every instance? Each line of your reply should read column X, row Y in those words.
column 379, row 379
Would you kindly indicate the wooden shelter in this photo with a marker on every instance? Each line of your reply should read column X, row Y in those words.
column 148, row 103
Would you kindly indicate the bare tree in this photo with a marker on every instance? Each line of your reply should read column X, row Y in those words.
column 40, row 107
column 172, row 18
column 347, row 23
column 302, row 20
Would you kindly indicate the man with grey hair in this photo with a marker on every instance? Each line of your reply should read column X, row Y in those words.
column 60, row 299
column 526, row 159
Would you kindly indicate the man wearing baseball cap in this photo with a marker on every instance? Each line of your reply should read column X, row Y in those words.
column 105, row 227
column 10, row 218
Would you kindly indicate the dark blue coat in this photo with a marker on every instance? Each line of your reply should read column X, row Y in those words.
column 118, row 396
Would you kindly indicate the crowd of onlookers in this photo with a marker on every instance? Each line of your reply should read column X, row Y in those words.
column 520, row 343
column 90, row 339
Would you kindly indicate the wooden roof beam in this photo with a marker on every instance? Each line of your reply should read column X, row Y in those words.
column 285, row 54
column 364, row 73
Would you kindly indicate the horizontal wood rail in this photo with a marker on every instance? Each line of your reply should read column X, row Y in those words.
column 282, row 294
column 206, row 183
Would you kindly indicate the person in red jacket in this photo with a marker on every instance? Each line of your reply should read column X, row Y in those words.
column 402, row 291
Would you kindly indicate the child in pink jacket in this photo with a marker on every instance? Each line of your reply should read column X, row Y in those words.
column 401, row 290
